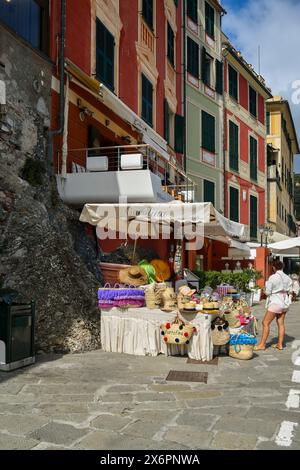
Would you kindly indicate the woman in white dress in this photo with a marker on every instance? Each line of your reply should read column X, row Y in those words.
column 278, row 288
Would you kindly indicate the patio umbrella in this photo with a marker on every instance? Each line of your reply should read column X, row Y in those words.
column 287, row 247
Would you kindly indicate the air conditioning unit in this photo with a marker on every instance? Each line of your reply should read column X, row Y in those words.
column 97, row 163
column 132, row 161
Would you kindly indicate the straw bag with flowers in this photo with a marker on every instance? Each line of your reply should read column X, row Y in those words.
column 177, row 331
column 220, row 332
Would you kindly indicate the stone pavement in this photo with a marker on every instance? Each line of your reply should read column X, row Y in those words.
column 101, row 400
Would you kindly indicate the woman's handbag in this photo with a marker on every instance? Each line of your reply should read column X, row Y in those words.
column 177, row 331
column 242, row 345
column 120, row 297
column 232, row 318
column 220, row 332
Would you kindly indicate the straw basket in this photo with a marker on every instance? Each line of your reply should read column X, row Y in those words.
column 241, row 351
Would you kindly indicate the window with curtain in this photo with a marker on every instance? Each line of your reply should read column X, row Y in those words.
column 209, row 20
column 233, row 82
column 233, row 146
column 147, row 100
column 105, row 55
column 234, row 204
column 192, row 57
column 208, row 132
column 192, row 10
column 170, row 48
column 29, row 19
column 147, row 12
column 208, row 191
column 253, row 158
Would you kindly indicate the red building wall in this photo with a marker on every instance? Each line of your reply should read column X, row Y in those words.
column 261, row 109
column 128, row 67
column 243, row 91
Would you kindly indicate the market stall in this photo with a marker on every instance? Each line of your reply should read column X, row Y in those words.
column 145, row 314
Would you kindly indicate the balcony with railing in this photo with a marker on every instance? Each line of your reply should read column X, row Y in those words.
column 135, row 172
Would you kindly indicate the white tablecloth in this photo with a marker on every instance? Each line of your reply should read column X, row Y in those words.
column 137, row 331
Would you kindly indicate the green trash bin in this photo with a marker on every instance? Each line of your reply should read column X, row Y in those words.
column 16, row 334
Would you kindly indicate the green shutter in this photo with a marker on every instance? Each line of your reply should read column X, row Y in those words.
column 253, row 158
column 166, row 121
column 179, row 133
column 253, row 217
column 105, row 52
column 170, row 44
column 192, row 10
column 209, row 20
column 219, row 77
column 233, row 82
column 268, row 122
column 192, row 57
column 234, row 204
column 208, row 132
column 147, row 100
column 233, row 146
column 203, row 64
column 252, row 101
column 209, row 192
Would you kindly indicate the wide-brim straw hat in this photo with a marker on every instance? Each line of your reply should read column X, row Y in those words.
column 133, row 276
column 186, row 291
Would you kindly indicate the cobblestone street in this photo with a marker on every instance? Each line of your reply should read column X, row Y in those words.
column 109, row 401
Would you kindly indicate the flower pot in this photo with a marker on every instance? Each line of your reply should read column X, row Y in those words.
column 110, row 272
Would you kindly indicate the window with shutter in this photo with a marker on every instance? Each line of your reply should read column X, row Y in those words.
column 179, row 133
column 233, row 146
column 208, row 132
column 147, row 12
column 192, row 10
column 219, row 77
column 209, row 20
column 253, row 158
column 147, row 100
column 268, row 123
column 208, row 191
column 166, row 121
column 192, row 57
column 253, row 218
column 252, row 101
column 170, row 44
column 105, row 55
column 234, row 204
column 233, row 82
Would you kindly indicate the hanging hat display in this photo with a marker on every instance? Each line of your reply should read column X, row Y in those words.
column 162, row 270
column 150, row 270
column 133, row 276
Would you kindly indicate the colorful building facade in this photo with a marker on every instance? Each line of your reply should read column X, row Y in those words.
column 245, row 169
column 282, row 146
column 123, row 98
column 204, row 100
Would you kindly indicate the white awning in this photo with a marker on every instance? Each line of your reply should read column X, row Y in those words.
column 201, row 219
column 286, row 247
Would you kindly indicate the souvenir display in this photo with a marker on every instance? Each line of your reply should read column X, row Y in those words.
column 162, row 270
column 150, row 270
column 177, row 331
column 169, row 299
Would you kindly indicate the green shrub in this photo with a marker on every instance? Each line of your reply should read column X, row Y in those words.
column 240, row 280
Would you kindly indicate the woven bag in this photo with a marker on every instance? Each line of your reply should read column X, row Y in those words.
column 232, row 319
column 220, row 332
column 242, row 345
column 177, row 332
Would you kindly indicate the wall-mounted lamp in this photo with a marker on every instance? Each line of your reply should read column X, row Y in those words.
column 84, row 111
column 244, row 195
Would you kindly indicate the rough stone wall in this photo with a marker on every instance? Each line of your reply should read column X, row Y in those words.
column 44, row 251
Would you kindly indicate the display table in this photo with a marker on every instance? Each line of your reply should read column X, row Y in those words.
column 137, row 331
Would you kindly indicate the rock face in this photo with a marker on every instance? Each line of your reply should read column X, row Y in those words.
column 44, row 251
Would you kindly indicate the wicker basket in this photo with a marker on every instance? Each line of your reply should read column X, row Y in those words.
column 110, row 272
column 241, row 351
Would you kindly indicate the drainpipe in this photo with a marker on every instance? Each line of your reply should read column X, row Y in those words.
column 184, row 85
column 60, row 130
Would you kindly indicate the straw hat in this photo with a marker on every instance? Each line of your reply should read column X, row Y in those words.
column 162, row 270
column 133, row 276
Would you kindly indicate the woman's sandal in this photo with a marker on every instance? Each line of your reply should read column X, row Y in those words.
column 256, row 348
column 275, row 346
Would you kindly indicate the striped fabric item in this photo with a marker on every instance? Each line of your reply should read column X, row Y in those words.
column 223, row 289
